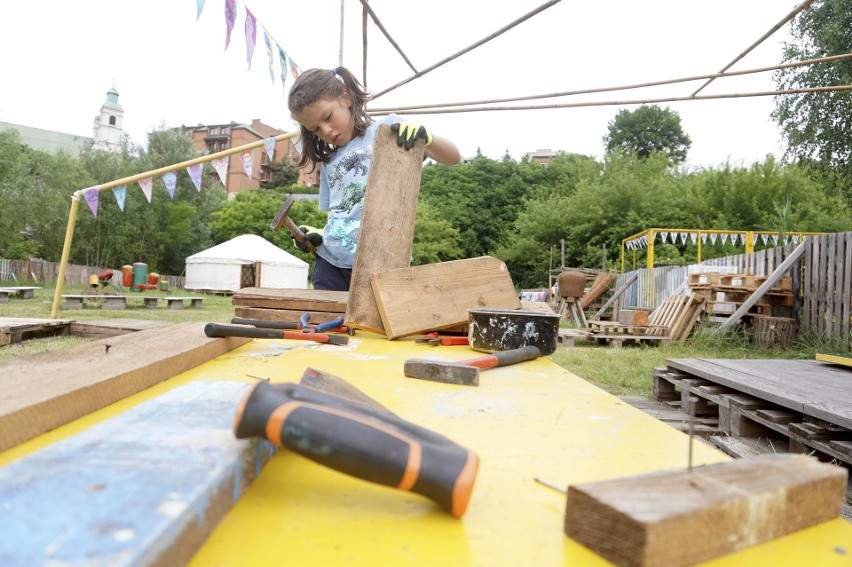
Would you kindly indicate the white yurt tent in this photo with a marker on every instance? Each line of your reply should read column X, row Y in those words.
column 235, row 264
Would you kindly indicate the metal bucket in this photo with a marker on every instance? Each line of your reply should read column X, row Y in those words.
column 493, row 330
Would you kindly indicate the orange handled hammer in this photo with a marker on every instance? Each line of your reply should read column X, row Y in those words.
column 466, row 372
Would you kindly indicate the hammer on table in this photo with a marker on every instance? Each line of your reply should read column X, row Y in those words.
column 281, row 217
column 466, row 372
column 217, row 330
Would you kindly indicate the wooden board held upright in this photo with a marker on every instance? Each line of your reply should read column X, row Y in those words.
column 387, row 225
column 437, row 296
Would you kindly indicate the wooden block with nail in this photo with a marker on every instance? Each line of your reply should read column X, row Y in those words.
column 674, row 518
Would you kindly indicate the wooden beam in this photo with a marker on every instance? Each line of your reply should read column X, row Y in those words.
column 387, row 226
column 683, row 517
column 46, row 390
column 436, row 296
column 293, row 299
column 764, row 288
column 144, row 487
column 616, row 294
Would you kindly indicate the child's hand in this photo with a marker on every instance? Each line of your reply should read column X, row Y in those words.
column 408, row 132
column 312, row 235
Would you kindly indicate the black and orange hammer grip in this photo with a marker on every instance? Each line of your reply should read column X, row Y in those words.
column 503, row 358
column 359, row 441
column 217, row 330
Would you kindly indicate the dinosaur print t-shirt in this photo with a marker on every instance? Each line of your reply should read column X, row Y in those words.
column 343, row 182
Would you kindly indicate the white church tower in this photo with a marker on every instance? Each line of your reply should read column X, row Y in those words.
column 107, row 128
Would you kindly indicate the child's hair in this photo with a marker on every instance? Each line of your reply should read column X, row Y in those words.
column 323, row 84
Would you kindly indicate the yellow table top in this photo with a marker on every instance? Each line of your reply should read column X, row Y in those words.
column 534, row 420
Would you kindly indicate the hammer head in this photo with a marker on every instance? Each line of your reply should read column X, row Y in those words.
column 441, row 371
column 281, row 215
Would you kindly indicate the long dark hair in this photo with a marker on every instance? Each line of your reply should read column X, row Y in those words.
column 323, row 84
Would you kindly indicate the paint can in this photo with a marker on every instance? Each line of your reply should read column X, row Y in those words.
column 493, row 330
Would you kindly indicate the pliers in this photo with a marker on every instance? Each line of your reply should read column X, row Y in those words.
column 435, row 339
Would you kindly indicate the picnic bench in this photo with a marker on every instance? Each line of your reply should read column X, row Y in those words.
column 24, row 292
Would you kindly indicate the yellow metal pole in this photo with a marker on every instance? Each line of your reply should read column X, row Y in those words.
column 66, row 251
column 749, row 242
column 698, row 261
column 75, row 204
column 650, row 263
column 622, row 255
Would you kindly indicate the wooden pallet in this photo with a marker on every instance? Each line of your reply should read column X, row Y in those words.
column 671, row 322
column 15, row 330
column 808, row 409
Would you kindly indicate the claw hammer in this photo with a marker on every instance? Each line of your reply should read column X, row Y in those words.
column 281, row 217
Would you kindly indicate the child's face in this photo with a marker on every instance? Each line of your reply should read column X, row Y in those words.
column 330, row 120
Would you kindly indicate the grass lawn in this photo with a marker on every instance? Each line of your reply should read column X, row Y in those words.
column 625, row 372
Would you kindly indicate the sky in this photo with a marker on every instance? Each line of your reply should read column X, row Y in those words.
column 60, row 58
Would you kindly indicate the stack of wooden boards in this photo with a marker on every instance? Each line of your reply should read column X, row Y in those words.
column 770, row 315
column 672, row 321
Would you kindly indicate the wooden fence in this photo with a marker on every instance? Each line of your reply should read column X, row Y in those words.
column 47, row 272
column 822, row 282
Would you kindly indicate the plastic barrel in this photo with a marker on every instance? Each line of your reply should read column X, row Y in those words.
column 93, row 280
column 140, row 274
column 127, row 276
column 164, row 283
column 153, row 278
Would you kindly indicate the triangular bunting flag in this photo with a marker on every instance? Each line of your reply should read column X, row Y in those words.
column 753, row 239
column 221, row 166
column 703, row 238
column 282, row 60
column 786, row 238
column 251, row 36
column 248, row 161
column 91, row 194
column 230, row 18
column 629, row 245
column 724, row 237
column 713, row 236
column 683, row 238
column 795, row 238
column 663, row 236
column 693, row 237
column 294, row 69
column 170, row 179
column 775, row 239
column 764, row 237
column 194, row 172
column 269, row 53
column 199, row 4
column 269, row 146
column 119, row 193
column 145, row 185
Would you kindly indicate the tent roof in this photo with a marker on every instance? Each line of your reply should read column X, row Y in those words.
column 246, row 248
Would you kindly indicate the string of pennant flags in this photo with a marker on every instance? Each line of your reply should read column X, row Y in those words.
column 250, row 27
column 195, row 171
column 673, row 237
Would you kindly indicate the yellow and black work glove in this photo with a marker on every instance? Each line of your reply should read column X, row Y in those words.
column 313, row 235
column 408, row 132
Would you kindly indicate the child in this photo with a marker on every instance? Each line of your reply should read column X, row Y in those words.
column 338, row 134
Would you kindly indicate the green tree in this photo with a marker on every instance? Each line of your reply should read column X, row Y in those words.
column 818, row 126
column 647, row 130
column 435, row 239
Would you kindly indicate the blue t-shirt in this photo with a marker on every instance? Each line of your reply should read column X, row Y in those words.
column 343, row 184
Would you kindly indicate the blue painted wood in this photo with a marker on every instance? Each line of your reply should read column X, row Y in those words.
column 135, row 489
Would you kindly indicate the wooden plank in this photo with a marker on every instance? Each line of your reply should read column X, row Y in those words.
column 46, row 390
column 387, row 226
column 292, row 299
column 113, row 327
column 764, row 288
column 436, row 296
column 683, row 517
column 284, row 315
column 616, row 294
column 108, row 495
